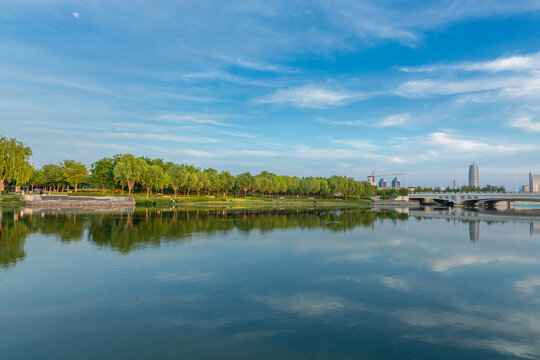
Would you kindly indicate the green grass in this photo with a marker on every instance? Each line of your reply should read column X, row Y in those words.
column 10, row 200
column 230, row 202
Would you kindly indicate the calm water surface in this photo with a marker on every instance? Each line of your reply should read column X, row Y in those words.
column 352, row 284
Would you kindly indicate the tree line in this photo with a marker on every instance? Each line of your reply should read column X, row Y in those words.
column 134, row 174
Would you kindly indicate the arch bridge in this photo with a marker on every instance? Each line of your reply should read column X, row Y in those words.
column 475, row 199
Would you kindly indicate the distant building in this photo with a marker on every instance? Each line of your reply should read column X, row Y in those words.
column 473, row 176
column 382, row 183
column 534, row 183
column 525, row 188
column 395, row 183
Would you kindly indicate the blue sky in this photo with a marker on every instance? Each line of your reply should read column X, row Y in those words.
column 300, row 88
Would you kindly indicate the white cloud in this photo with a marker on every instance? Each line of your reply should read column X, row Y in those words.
column 526, row 123
column 340, row 122
column 164, row 137
column 259, row 66
column 447, row 140
column 428, row 87
column 75, row 15
column 311, row 96
column 190, row 118
column 503, row 63
column 222, row 75
column 394, row 120
column 359, row 144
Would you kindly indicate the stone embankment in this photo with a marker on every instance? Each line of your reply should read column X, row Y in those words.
column 78, row 202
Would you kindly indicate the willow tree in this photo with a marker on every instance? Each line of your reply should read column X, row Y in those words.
column 226, row 181
column 14, row 157
column 151, row 178
column 177, row 176
column 102, row 172
column 244, row 182
column 129, row 170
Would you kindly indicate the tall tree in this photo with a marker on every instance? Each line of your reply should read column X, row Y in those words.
column 226, row 181
column 14, row 156
column 129, row 170
column 244, row 182
column 152, row 178
column 177, row 177
column 36, row 178
column 102, row 172
column 74, row 172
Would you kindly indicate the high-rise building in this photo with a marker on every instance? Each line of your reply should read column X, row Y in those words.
column 395, row 183
column 534, row 183
column 473, row 175
column 382, row 183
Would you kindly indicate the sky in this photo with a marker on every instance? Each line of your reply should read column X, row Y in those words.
column 306, row 88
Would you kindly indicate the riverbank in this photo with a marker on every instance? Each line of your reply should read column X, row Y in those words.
column 212, row 202
column 11, row 201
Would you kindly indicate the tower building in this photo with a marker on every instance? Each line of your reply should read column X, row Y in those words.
column 473, row 176
column 534, row 183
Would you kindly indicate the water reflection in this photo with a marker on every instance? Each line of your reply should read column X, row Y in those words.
column 127, row 229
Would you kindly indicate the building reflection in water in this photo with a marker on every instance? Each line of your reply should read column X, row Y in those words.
column 535, row 227
column 474, row 231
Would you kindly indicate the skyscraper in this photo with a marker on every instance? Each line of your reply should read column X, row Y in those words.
column 534, row 183
column 473, row 175
column 395, row 183
column 382, row 183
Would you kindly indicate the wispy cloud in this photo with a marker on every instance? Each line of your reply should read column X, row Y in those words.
column 260, row 66
column 312, row 96
column 394, row 120
column 191, row 118
column 340, row 122
column 504, row 63
column 526, row 123
column 448, row 140
column 358, row 144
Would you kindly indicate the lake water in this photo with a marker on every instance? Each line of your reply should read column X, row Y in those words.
column 319, row 284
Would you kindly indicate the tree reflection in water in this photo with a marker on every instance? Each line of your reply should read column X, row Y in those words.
column 127, row 231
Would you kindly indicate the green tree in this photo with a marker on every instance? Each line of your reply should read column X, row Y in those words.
column 192, row 182
column 244, row 182
column 212, row 180
column 152, row 178
column 74, row 172
column 52, row 175
column 226, row 181
column 14, row 156
column 36, row 178
column 177, row 176
column 102, row 172
column 129, row 170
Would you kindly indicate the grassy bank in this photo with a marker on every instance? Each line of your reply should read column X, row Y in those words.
column 216, row 202
column 245, row 203
column 9, row 200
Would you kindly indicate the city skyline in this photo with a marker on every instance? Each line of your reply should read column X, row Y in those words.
column 307, row 89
